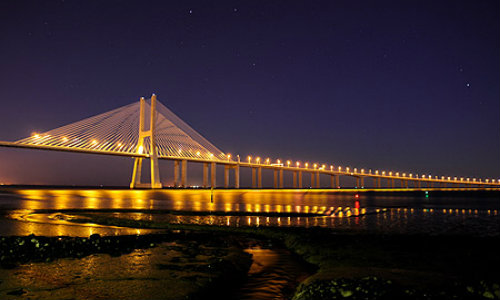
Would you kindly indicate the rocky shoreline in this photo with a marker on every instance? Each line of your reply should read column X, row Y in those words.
column 351, row 265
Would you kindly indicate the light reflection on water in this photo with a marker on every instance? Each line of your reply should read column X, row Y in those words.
column 316, row 208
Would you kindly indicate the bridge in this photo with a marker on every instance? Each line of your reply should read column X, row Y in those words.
column 149, row 130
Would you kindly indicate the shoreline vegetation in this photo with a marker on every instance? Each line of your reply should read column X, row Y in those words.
column 348, row 264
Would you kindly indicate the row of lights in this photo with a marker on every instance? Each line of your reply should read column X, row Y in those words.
column 315, row 165
column 362, row 171
column 94, row 143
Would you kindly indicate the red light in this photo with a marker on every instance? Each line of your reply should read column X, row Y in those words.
column 356, row 196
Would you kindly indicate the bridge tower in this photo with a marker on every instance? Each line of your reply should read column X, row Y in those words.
column 153, row 155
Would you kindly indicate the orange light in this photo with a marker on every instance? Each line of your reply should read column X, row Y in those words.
column 307, row 165
column 258, row 159
column 297, row 164
column 288, row 163
column 249, row 159
column 198, row 153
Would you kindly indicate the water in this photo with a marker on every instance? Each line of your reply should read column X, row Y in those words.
column 49, row 211
column 275, row 272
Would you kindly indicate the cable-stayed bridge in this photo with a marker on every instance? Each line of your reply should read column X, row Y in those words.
column 149, row 130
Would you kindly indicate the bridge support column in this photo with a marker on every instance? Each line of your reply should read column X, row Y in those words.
column 136, row 173
column 312, row 180
column 226, row 176
column 318, row 183
column 300, row 179
column 205, row 175
column 332, row 181
column 275, row 182
column 184, row 173
column 294, row 179
column 153, row 155
column 357, row 182
column 213, row 173
column 237, row 177
column 392, row 183
column 337, row 181
column 281, row 178
column 362, row 179
column 254, row 171
column 259, row 178
column 176, row 173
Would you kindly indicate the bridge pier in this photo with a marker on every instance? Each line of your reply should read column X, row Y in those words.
column 312, row 180
column 237, row 176
column 205, row 175
column 259, row 177
column 294, row 179
column 281, row 178
column 362, row 179
column 176, row 173
column 213, row 173
column 337, row 181
column 226, row 176
column 184, row 173
column 300, row 179
column 318, row 183
column 332, row 181
column 254, row 171
column 275, row 181
column 357, row 182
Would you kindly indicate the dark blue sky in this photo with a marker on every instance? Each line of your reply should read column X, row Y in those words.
column 410, row 86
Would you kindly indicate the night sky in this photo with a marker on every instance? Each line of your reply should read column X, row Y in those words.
column 410, row 86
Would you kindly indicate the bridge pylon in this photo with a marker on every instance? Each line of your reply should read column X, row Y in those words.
column 153, row 154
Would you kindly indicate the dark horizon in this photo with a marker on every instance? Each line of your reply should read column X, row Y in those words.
column 408, row 87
